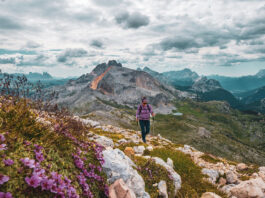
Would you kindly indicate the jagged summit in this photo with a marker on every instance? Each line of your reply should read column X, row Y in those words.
column 203, row 84
column 100, row 68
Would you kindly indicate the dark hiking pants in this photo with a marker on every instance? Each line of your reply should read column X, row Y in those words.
column 145, row 128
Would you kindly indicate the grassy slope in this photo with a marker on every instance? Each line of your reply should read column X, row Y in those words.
column 234, row 135
column 193, row 184
column 24, row 133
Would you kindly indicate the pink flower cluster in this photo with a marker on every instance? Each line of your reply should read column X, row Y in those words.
column 55, row 183
column 2, row 139
column 8, row 162
column 38, row 153
column 5, row 195
column 3, row 179
column 79, row 162
column 86, row 189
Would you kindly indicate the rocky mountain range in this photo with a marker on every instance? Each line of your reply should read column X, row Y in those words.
column 241, row 84
column 111, row 83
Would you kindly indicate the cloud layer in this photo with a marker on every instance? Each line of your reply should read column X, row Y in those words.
column 220, row 36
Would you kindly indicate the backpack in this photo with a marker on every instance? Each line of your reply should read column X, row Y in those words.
column 141, row 108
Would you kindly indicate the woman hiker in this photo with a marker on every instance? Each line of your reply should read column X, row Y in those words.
column 143, row 116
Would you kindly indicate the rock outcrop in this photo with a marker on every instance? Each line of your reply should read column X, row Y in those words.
column 118, row 166
column 120, row 190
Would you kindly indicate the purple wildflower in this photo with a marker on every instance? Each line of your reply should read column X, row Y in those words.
column 39, row 172
column 5, row 195
column 33, row 181
column 8, row 162
column 46, row 184
column 38, row 148
column 28, row 162
column 27, row 143
column 2, row 147
column 2, row 138
column 3, row 179
column 39, row 156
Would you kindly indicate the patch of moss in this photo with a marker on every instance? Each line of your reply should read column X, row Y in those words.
column 250, row 170
column 114, row 136
column 209, row 158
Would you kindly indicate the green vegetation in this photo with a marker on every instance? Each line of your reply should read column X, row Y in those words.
column 114, row 136
column 233, row 135
column 193, row 184
column 153, row 173
column 32, row 153
column 209, row 158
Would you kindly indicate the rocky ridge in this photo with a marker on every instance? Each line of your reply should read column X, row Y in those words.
column 235, row 180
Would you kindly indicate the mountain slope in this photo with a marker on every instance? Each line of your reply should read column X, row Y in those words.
column 255, row 102
column 210, row 89
column 47, row 154
column 241, row 84
column 184, row 77
column 112, row 83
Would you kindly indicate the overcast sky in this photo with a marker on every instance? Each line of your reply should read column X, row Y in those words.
column 68, row 38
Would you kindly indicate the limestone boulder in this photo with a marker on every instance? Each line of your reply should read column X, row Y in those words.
column 210, row 195
column 253, row 188
column 118, row 166
column 120, row 190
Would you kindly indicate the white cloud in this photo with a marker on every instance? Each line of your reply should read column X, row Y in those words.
column 168, row 34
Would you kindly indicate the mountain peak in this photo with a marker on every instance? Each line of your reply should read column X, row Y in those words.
column 261, row 73
column 203, row 84
column 114, row 63
column 100, row 68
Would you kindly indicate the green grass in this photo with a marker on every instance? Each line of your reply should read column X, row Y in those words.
column 114, row 136
column 20, row 123
column 193, row 184
column 234, row 135
column 153, row 173
column 209, row 158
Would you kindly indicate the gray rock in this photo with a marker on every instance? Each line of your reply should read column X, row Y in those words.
column 104, row 141
column 117, row 165
column 175, row 176
column 204, row 132
column 210, row 195
column 139, row 150
column 231, row 177
column 149, row 148
column 213, row 174
column 122, row 141
column 262, row 169
column 170, row 162
column 162, row 187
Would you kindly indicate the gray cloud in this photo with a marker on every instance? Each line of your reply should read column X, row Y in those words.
column 9, row 24
column 134, row 20
column 107, row 2
column 70, row 53
column 96, row 43
column 39, row 60
column 32, row 44
column 180, row 43
column 7, row 60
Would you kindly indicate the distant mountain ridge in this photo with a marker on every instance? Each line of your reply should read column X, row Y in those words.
column 243, row 83
column 35, row 76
